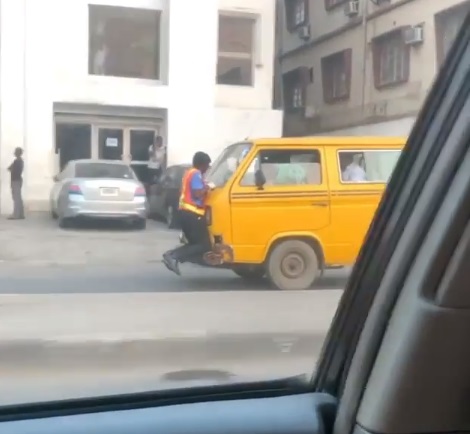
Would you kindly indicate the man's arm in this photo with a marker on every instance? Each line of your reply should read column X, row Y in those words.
column 198, row 186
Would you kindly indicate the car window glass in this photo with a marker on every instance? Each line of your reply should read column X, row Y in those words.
column 285, row 167
column 367, row 165
column 103, row 170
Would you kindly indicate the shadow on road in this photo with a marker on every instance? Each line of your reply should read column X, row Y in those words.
column 103, row 225
column 199, row 279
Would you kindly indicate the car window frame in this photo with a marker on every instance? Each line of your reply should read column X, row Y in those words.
column 407, row 183
column 362, row 151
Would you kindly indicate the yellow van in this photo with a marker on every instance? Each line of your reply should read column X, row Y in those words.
column 289, row 208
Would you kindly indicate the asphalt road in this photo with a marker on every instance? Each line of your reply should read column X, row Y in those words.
column 35, row 279
column 131, row 370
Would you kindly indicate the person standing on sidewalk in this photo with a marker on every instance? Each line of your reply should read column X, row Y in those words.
column 16, row 173
column 192, row 215
column 157, row 157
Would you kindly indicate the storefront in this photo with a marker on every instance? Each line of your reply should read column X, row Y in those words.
column 105, row 132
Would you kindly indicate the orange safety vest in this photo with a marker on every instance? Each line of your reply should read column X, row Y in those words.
column 186, row 201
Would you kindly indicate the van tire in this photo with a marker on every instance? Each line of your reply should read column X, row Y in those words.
column 250, row 273
column 293, row 265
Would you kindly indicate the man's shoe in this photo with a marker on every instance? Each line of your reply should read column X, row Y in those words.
column 171, row 263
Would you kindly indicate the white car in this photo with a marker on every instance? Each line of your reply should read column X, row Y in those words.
column 98, row 189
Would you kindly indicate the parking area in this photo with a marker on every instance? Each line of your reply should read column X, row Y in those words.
column 39, row 240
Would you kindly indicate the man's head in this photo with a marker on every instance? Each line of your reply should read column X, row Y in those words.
column 357, row 159
column 158, row 142
column 18, row 152
column 201, row 161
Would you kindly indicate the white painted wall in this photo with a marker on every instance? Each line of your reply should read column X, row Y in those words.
column 44, row 59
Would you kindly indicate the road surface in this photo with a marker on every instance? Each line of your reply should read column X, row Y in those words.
column 93, row 312
column 17, row 278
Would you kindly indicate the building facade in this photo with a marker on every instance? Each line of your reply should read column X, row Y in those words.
column 361, row 67
column 101, row 78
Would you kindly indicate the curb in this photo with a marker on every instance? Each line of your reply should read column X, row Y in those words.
column 199, row 347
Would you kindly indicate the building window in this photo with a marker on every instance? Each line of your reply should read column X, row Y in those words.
column 336, row 76
column 124, row 42
column 296, row 13
column 285, row 168
column 448, row 24
column 367, row 166
column 331, row 4
column 295, row 85
column 391, row 59
column 235, row 51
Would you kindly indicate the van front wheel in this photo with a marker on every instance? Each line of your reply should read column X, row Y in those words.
column 293, row 265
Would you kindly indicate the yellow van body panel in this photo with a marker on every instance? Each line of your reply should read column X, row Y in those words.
column 333, row 214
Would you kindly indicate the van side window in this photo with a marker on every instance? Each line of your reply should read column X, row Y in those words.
column 285, row 167
column 374, row 166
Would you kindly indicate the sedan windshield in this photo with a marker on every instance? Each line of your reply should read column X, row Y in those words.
column 103, row 170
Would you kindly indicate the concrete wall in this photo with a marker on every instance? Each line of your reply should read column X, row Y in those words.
column 44, row 60
column 332, row 31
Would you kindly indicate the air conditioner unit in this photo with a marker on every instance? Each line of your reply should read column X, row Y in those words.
column 304, row 33
column 413, row 35
column 351, row 8
column 378, row 109
column 311, row 112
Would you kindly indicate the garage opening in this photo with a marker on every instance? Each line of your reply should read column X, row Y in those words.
column 73, row 142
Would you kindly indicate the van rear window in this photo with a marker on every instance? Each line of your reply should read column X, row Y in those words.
column 374, row 166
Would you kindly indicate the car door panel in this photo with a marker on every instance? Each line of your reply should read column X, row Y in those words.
column 308, row 206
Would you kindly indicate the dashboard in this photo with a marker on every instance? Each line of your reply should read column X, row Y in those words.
column 291, row 414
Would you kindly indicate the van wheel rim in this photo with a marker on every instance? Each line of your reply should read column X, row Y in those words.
column 293, row 265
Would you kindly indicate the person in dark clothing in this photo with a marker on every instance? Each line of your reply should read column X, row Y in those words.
column 16, row 174
column 192, row 215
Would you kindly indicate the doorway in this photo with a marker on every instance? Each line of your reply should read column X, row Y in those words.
column 128, row 143
column 72, row 142
column 108, row 140
column 110, row 143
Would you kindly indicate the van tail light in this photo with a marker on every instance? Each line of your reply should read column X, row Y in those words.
column 208, row 215
column 140, row 192
column 75, row 189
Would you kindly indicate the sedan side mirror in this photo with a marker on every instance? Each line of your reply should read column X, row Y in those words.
column 260, row 179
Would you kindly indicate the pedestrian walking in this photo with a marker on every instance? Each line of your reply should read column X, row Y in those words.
column 192, row 215
column 16, row 175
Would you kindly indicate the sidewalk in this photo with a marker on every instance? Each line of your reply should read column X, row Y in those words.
column 166, row 326
column 39, row 240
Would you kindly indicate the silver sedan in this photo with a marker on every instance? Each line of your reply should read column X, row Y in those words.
column 98, row 189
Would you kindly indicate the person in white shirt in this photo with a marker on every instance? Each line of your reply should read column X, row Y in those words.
column 355, row 172
column 157, row 157
column 99, row 61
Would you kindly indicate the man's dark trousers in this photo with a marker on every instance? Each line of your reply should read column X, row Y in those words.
column 195, row 230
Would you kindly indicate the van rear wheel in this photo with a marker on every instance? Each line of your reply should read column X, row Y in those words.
column 250, row 272
column 293, row 265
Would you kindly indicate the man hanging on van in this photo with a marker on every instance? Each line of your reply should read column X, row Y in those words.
column 192, row 215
